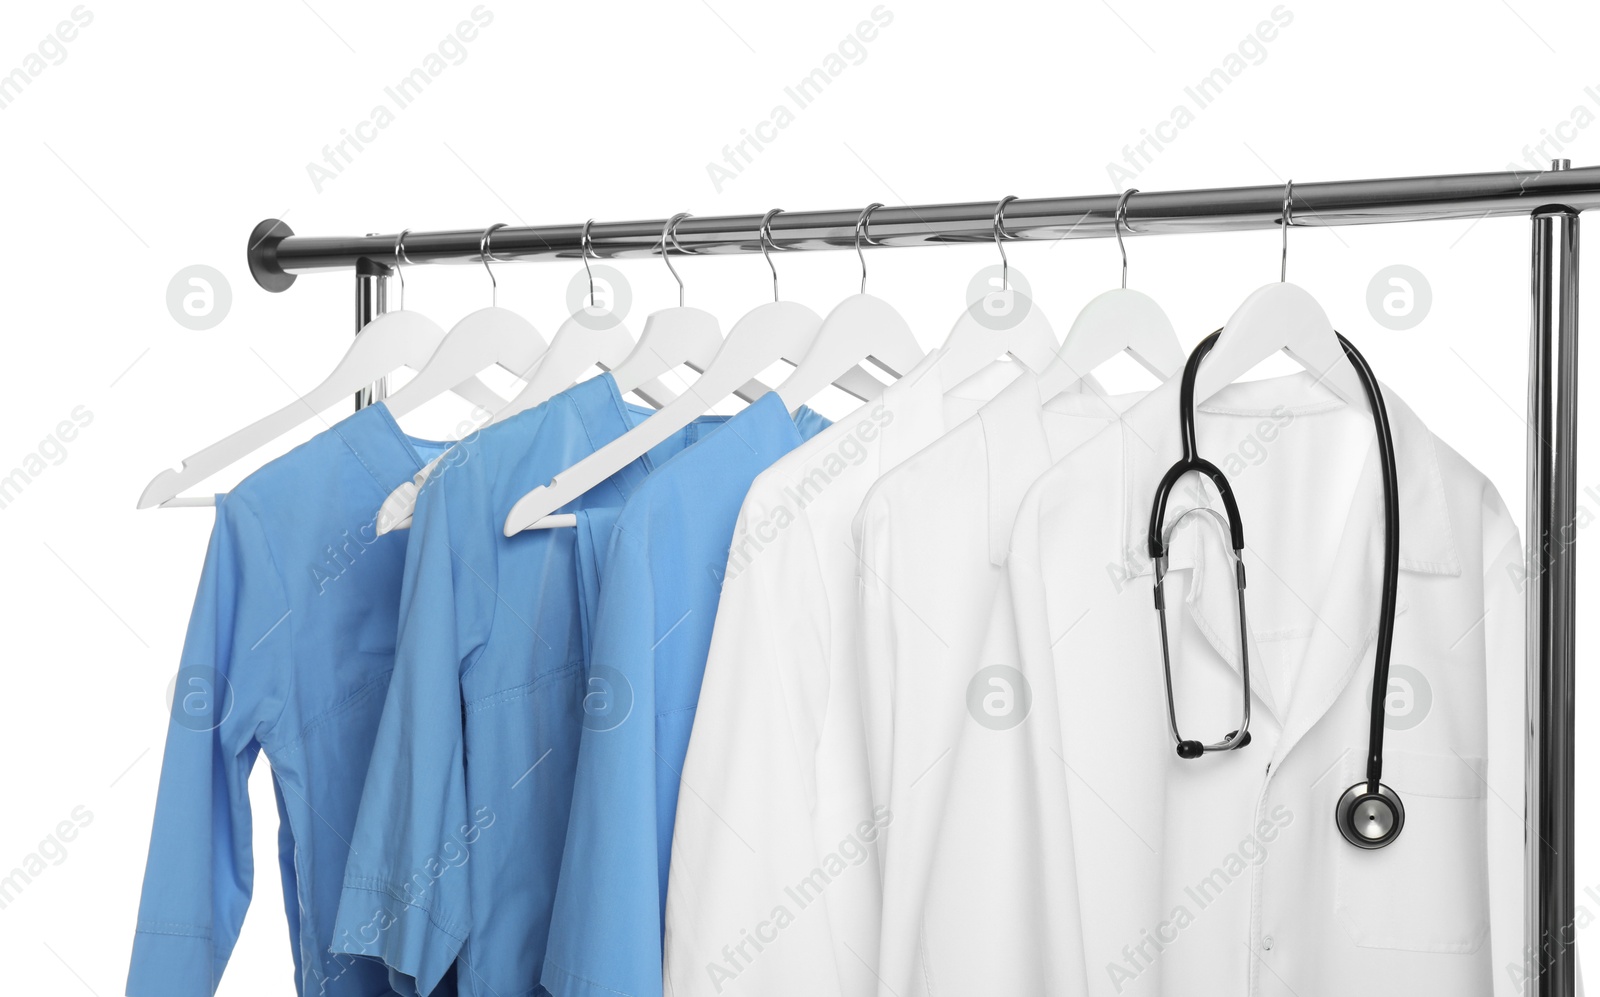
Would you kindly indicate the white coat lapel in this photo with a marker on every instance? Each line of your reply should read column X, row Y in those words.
column 1341, row 647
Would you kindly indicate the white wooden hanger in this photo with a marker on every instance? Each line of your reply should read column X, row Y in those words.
column 488, row 336
column 777, row 330
column 590, row 337
column 393, row 341
column 861, row 327
column 684, row 336
column 973, row 344
column 1112, row 322
column 1280, row 316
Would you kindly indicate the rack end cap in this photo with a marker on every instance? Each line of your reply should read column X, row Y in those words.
column 263, row 255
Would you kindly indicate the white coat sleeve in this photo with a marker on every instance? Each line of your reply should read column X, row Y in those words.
column 758, row 854
column 1001, row 914
column 1505, row 650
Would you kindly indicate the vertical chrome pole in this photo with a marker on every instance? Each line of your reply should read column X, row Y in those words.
column 1552, row 504
column 372, row 300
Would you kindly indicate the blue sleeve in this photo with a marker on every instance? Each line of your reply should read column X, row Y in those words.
column 405, row 899
column 605, row 933
column 228, row 692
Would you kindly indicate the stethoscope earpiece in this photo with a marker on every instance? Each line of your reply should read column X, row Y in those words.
column 1194, row 749
column 1370, row 820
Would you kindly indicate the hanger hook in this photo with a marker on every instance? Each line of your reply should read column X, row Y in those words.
column 862, row 225
column 669, row 231
column 485, row 255
column 400, row 258
column 588, row 248
column 1121, row 222
column 766, row 241
column 1288, row 219
column 1000, row 240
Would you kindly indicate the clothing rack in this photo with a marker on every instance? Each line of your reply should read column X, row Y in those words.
column 1552, row 200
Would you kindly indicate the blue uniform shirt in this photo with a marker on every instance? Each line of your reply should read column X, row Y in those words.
column 661, row 579
column 594, row 541
column 464, row 812
column 289, row 651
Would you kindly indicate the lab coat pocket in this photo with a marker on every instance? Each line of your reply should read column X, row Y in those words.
column 1428, row 890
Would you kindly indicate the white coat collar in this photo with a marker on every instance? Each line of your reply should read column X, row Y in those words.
column 918, row 401
column 1018, row 443
column 1151, row 444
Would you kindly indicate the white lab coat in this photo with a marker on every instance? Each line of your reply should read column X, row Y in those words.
column 933, row 535
column 1082, row 856
column 773, row 887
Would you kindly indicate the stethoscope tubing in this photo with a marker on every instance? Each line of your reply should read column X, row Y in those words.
column 1158, row 540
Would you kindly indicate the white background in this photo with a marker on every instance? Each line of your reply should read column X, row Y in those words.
column 170, row 129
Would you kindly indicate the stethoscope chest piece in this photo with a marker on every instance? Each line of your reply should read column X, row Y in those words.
column 1370, row 820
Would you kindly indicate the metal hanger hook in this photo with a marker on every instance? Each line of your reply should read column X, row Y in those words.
column 862, row 225
column 588, row 248
column 1000, row 240
column 1120, row 221
column 766, row 241
column 1288, row 219
column 399, row 259
column 669, row 232
column 485, row 255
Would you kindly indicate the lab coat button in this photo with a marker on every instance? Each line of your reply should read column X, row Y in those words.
column 1266, row 943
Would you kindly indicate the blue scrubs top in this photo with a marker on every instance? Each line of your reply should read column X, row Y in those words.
column 594, row 542
column 464, row 812
column 289, row 651
column 662, row 577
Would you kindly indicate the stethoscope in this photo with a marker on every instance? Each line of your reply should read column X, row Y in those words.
column 1369, row 813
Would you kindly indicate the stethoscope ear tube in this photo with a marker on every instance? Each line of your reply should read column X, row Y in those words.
column 1369, row 814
